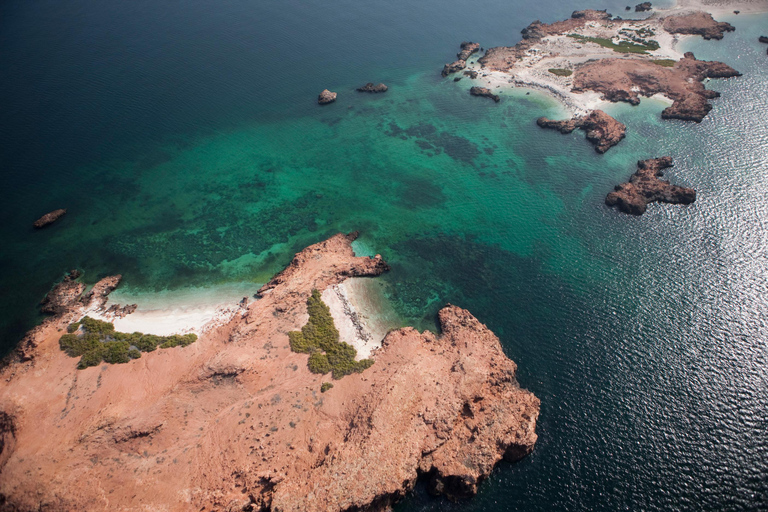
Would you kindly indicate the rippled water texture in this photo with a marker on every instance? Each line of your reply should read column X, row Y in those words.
column 186, row 143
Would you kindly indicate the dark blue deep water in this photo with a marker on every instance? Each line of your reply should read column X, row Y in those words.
column 185, row 140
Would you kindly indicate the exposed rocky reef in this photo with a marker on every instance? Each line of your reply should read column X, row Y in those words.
column 237, row 422
column 326, row 97
column 644, row 187
column 696, row 23
column 49, row 218
column 628, row 79
column 484, row 91
column 642, row 7
column 763, row 39
column 467, row 49
column 63, row 295
column 602, row 130
column 370, row 87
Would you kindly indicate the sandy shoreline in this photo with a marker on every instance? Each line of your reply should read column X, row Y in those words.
column 361, row 314
column 187, row 310
column 358, row 306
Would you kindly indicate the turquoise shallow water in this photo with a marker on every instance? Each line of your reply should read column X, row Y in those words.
column 188, row 148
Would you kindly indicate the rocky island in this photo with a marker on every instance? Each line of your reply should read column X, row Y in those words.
column 236, row 421
column 326, row 97
column 370, row 87
column 49, row 218
column 645, row 187
column 593, row 57
column 602, row 130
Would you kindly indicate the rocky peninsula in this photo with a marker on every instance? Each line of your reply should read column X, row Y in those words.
column 236, row 421
column 645, row 187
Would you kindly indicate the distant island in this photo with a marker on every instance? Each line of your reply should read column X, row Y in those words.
column 267, row 410
column 592, row 58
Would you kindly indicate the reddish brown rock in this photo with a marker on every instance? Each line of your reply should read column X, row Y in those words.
column 453, row 67
column 628, row 79
column 484, row 91
column 603, row 131
column 49, row 218
column 237, row 422
column 645, row 6
column 645, row 187
column 63, row 296
column 467, row 49
column 697, row 23
column 326, row 97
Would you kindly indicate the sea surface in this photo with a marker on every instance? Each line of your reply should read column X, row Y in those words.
column 185, row 140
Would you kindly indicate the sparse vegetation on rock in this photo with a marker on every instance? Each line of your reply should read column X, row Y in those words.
column 320, row 339
column 96, row 341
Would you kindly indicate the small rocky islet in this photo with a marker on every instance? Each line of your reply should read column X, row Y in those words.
column 645, row 187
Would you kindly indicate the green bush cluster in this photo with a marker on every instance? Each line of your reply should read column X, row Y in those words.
column 99, row 342
column 667, row 63
column 320, row 339
column 642, row 46
column 561, row 71
column 325, row 387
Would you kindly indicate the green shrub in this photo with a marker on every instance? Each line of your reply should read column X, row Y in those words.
column 318, row 363
column 99, row 342
column 116, row 352
column 91, row 358
column 320, row 339
column 178, row 340
column 641, row 46
column 75, row 345
column 91, row 325
column 560, row 71
column 325, row 387
column 667, row 63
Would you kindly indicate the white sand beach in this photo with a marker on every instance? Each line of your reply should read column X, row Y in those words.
column 181, row 311
column 361, row 313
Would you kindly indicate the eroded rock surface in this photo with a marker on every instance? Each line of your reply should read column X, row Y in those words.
column 645, row 187
column 602, row 130
column 63, row 295
column 236, row 421
column 628, row 79
column 467, row 49
column 697, row 23
column 485, row 92
column 49, row 218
